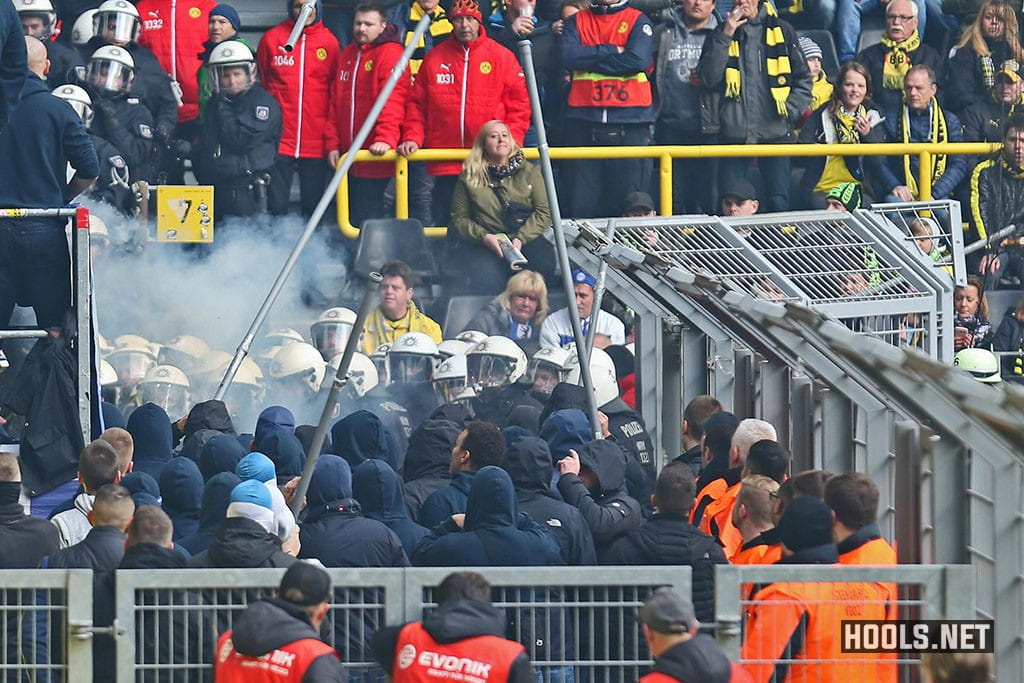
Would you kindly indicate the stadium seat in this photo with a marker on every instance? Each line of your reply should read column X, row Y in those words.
column 389, row 239
column 829, row 56
column 461, row 310
column 999, row 301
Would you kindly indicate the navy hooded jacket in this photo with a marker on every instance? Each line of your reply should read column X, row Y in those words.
column 334, row 530
column 427, row 461
column 528, row 461
column 361, row 436
column 447, row 501
column 274, row 417
column 144, row 489
column 495, row 533
column 379, row 492
column 151, row 432
column 181, row 485
column 285, row 450
column 216, row 497
column 220, row 454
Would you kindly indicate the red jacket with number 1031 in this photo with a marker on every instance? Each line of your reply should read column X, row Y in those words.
column 364, row 71
column 300, row 81
column 458, row 89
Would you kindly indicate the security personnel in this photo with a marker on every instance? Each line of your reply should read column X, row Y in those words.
column 39, row 19
column 494, row 368
column 120, row 116
column 112, row 186
column 464, row 635
column 608, row 49
column 278, row 639
column 240, row 134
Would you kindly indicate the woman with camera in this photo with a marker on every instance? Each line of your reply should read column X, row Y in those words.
column 499, row 208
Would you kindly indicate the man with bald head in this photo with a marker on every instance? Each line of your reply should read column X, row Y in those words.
column 43, row 136
column 122, row 442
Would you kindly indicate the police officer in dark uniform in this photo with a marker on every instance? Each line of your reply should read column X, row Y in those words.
column 240, row 134
column 38, row 19
column 496, row 370
column 114, row 183
column 120, row 116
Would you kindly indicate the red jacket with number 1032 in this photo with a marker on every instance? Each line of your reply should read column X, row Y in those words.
column 300, row 81
column 458, row 89
column 174, row 30
column 364, row 71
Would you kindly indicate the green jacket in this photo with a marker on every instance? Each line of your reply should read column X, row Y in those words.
column 477, row 211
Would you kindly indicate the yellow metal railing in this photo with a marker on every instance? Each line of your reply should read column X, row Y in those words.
column 664, row 155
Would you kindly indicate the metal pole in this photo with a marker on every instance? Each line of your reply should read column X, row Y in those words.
column 994, row 237
column 321, row 208
column 526, row 53
column 300, row 25
column 340, row 377
column 67, row 212
column 595, row 310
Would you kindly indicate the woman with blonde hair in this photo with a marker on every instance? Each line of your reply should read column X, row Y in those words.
column 498, row 193
column 517, row 312
column 985, row 49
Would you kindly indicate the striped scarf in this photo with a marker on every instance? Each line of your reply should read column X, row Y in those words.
column 896, row 62
column 938, row 132
column 845, row 125
column 988, row 71
column 777, row 67
column 440, row 28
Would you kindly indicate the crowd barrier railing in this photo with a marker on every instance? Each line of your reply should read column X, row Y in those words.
column 665, row 155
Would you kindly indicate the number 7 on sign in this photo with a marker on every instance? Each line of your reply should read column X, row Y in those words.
column 181, row 208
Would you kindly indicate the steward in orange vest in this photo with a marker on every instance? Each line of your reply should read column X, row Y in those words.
column 752, row 516
column 277, row 639
column 715, row 476
column 461, row 640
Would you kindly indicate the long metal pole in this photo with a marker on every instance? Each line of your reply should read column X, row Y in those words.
column 340, row 377
column 300, row 25
column 321, row 208
column 526, row 52
column 602, row 274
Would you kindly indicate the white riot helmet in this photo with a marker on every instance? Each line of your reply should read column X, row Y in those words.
column 232, row 68
column 282, row 336
column 602, row 374
column 131, row 358
column 168, row 387
column 82, row 104
column 109, row 389
column 265, row 357
column 450, row 380
column 116, row 21
column 380, row 361
column 111, row 69
column 548, row 367
column 471, row 337
column 245, row 393
column 494, row 362
column 37, row 10
column 332, row 329
column 362, row 373
column 411, row 358
column 81, row 31
column 453, row 347
column 299, row 361
column 185, row 351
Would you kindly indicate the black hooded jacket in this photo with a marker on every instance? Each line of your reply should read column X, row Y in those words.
column 427, row 461
column 696, row 659
column 361, row 436
column 509, row 405
column 608, row 510
column 151, row 433
column 212, row 414
column 181, row 485
column 214, row 507
column 667, row 539
column 451, row 622
column 242, row 543
column 220, row 453
column 271, row 624
column 528, row 461
column 379, row 492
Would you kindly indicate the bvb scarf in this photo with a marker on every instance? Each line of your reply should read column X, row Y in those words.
column 777, row 67
column 845, row 125
column 1011, row 170
column 938, row 132
column 896, row 63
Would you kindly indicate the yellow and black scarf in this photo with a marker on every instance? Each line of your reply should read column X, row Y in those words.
column 1012, row 171
column 938, row 132
column 897, row 60
column 777, row 67
column 440, row 28
column 845, row 125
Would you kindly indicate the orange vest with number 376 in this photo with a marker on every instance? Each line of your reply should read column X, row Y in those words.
column 592, row 89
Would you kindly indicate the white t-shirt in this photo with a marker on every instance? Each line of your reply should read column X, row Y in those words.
column 557, row 330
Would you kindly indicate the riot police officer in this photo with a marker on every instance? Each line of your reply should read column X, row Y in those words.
column 39, row 19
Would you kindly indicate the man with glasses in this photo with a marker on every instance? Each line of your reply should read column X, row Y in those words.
column 901, row 48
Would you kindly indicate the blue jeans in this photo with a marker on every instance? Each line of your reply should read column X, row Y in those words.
column 847, row 26
column 555, row 674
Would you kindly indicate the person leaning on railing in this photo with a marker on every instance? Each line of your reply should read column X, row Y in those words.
column 844, row 119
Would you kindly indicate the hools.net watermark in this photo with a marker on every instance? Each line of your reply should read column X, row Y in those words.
column 918, row 636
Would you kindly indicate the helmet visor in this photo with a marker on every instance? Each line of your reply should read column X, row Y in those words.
column 408, row 368
column 232, row 79
column 544, row 375
column 177, row 358
column 487, row 371
column 242, row 399
column 38, row 24
column 330, row 338
column 109, row 76
column 119, row 27
column 449, row 389
column 130, row 366
column 171, row 397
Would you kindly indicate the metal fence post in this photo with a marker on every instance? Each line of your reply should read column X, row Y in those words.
column 728, row 611
column 79, row 624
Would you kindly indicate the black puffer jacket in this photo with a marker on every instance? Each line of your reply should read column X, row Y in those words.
column 671, row 540
column 242, row 543
column 696, row 659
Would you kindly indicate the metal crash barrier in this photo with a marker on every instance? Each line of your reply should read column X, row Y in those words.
column 664, row 155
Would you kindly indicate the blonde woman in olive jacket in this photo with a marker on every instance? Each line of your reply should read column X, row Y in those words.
column 497, row 192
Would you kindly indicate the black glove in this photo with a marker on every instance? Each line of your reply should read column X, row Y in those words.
column 107, row 112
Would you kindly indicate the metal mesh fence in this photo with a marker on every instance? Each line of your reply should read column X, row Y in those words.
column 932, row 228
